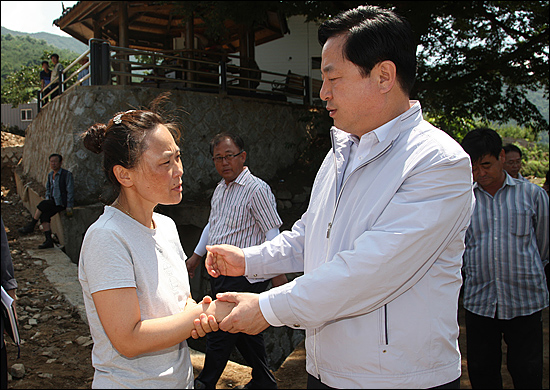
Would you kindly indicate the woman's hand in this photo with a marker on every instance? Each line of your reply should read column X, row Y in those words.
column 205, row 323
column 219, row 309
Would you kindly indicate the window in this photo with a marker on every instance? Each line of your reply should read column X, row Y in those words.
column 26, row 114
column 315, row 62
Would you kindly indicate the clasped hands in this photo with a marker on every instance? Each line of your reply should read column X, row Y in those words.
column 232, row 312
column 246, row 316
column 212, row 313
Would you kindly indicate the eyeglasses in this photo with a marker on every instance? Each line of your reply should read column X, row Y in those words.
column 227, row 157
column 513, row 162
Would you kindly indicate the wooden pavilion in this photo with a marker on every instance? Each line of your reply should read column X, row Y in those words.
column 160, row 25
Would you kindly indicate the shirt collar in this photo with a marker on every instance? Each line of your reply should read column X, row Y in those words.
column 380, row 133
column 508, row 181
column 241, row 179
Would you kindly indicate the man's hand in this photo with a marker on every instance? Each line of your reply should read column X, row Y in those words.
column 246, row 317
column 192, row 263
column 279, row 280
column 225, row 260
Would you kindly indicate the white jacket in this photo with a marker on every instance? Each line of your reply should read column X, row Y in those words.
column 381, row 262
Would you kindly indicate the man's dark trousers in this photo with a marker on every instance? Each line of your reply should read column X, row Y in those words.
column 523, row 336
column 220, row 344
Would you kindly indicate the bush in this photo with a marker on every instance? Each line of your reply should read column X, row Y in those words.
column 511, row 131
column 534, row 168
column 534, row 159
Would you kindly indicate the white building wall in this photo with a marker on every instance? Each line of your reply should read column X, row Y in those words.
column 292, row 52
column 12, row 116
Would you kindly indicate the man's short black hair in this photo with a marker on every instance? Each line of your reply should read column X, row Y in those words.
column 45, row 62
column 512, row 148
column 55, row 55
column 56, row 155
column 374, row 35
column 481, row 142
column 221, row 136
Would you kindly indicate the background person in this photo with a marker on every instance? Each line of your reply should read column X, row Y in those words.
column 9, row 283
column 45, row 78
column 244, row 213
column 512, row 161
column 84, row 72
column 59, row 196
column 57, row 72
column 132, row 266
column 504, row 285
column 381, row 242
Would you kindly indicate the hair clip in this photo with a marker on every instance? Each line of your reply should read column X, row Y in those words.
column 118, row 119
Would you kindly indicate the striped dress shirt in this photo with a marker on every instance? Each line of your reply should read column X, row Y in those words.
column 242, row 211
column 506, row 251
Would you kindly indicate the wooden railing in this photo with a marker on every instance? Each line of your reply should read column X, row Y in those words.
column 74, row 74
column 195, row 70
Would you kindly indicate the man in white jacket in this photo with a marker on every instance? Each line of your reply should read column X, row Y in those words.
column 382, row 239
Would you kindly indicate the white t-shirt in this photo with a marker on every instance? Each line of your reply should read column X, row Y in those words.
column 120, row 252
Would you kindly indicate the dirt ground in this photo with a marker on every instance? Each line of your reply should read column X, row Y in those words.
column 56, row 351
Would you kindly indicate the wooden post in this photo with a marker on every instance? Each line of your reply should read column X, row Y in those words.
column 190, row 46
column 247, row 53
column 97, row 28
column 123, row 40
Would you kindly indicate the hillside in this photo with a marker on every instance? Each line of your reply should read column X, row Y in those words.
column 67, row 43
column 21, row 49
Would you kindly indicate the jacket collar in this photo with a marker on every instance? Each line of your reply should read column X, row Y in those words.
column 386, row 136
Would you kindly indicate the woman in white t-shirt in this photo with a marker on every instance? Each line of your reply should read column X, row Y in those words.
column 132, row 266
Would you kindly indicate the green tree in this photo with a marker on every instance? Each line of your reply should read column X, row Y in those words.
column 22, row 86
column 477, row 60
column 21, row 51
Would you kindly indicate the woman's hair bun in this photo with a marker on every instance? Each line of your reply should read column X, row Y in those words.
column 94, row 137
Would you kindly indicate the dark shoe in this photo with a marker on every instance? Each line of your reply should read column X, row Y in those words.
column 28, row 228
column 49, row 241
column 199, row 384
column 46, row 244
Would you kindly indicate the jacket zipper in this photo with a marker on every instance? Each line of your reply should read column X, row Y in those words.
column 332, row 220
column 386, row 324
column 339, row 195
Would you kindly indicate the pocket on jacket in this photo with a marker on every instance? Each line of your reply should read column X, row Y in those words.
column 383, row 318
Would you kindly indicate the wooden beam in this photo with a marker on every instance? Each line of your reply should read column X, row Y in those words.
column 160, row 30
column 77, row 11
column 123, row 24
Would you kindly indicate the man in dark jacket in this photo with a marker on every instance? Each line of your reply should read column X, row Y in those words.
column 59, row 196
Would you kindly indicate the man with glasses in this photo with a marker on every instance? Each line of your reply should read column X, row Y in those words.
column 244, row 213
column 512, row 163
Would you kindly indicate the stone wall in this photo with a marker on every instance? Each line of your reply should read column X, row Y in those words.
column 11, row 155
column 273, row 133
